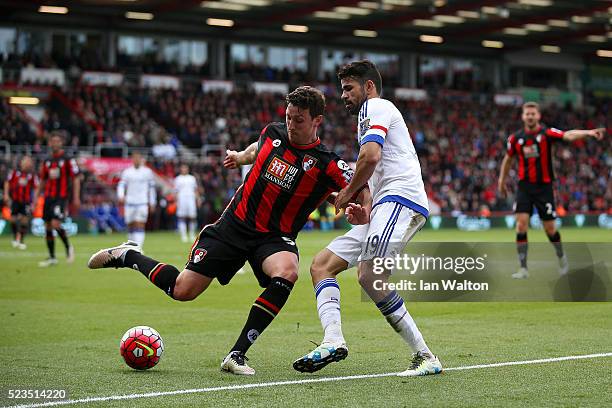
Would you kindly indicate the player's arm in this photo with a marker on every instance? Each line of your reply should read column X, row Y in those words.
column 503, row 174
column 235, row 159
column 6, row 192
column 121, row 188
column 40, row 186
column 369, row 156
column 577, row 134
column 76, row 190
column 76, row 183
column 152, row 192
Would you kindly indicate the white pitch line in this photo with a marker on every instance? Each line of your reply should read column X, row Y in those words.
column 293, row 382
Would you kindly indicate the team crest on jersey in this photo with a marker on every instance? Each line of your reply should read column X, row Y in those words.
column 199, row 254
column 364, row 126
column 281, row 173
column 309, row 162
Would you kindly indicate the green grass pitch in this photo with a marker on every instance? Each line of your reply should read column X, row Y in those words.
column 61, row 329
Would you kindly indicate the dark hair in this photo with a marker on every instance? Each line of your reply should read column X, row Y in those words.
column 531, row 104
column 362, row 71
column 307, row 97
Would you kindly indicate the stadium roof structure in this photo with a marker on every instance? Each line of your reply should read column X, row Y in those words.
column 454, row 27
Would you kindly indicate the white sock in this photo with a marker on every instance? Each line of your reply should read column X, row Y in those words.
column 182, row 227
column 327, row 292
column 394, row 310
column 139, row 237
column 192, row 229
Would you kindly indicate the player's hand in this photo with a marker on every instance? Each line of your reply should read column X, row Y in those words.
column 121, row 201
column 357, row 215
column 342, row 199
column 503, row 190
column 598, row 133
column 231, row 159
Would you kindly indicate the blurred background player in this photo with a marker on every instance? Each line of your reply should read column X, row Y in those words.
column 136, row 192
column 187, row 203
column 533, row 146
column 388, row 163
column 18, row 191
column 59, row 176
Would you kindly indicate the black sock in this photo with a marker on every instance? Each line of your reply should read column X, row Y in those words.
column 14, row 228
column 555, row 239
column 64, row 237
column 263, row 311
column 50, row 243
column 521, row 247
column 23, row 229
column 162, row 275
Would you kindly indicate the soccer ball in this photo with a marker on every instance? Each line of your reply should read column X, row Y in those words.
column 141, row 347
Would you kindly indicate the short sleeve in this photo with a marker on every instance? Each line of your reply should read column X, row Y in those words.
column 510, row 145
column 262, row 137
column 339, row 173
column 554, row 134
column 10, row 175
column 374, row 121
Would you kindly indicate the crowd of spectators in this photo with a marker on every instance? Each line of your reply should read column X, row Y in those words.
column 460, row 138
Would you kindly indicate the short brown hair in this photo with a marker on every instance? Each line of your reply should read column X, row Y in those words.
column 307, row 97
column 362, row 71
column 531, row 104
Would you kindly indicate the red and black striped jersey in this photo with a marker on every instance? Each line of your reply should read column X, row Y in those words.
column 58, row 172
column 534, row 152
column 286, row 183
column 21, row 186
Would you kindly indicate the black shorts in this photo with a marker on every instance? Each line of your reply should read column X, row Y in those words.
column 222, row 249
column 20, row 209
column 539, row 195
column 54, row 209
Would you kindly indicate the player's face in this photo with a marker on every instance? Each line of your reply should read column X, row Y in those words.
column 184, row 169
column 300, row 125
column 353, row 95
column 26, row 164
column 55, row 143
column 531, row 117
column 136, row 159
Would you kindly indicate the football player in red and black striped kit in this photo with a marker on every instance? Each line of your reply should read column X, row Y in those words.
column 292, row 174
column 533, row 146
column 18, row 190
column 59, row 179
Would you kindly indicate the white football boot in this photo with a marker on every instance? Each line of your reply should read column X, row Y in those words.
column 235, row 363
column 422, row 364
column 321, row 356
column 521, row 274
column 563, row 265
column 112, row 257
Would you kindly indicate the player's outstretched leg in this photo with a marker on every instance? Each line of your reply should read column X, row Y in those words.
column 129, row 255
column 333, row 348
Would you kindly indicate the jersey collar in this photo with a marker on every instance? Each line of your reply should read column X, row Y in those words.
column 306, row 146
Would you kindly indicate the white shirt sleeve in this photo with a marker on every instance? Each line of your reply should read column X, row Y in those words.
column 152, row 193
column 374, row 121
